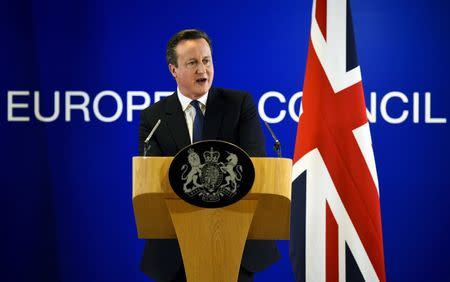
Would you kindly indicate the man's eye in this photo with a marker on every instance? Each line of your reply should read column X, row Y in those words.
column 206, row 61
column 191, row 63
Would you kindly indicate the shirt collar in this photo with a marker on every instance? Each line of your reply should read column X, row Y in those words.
column 185, row 101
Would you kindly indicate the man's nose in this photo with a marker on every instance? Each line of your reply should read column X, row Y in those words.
column 201, row 68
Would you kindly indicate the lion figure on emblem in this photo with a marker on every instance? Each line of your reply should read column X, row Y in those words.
column 194, row 173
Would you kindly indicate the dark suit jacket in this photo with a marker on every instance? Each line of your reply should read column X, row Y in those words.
column 230, row 116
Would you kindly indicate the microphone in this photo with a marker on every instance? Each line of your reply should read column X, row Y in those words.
column 147, row 145
column 277, row 144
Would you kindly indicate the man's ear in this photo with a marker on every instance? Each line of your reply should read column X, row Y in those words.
column 173, row 70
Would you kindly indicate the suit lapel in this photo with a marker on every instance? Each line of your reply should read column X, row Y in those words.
column 177, row 122
column 213, row 115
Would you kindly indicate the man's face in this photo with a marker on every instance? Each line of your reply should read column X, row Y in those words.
column 195, row 71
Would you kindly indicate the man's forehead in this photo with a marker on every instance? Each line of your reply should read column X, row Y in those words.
column 192, row 46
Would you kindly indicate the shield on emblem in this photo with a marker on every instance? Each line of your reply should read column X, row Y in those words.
column 211, row 174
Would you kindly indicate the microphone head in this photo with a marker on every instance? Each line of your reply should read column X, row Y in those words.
column 152, row 131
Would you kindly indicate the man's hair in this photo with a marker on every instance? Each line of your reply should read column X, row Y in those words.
column 187, row 34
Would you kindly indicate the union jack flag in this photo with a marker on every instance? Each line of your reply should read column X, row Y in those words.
column 336, row 232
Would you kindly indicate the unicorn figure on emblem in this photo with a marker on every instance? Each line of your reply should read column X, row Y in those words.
column 233, row 175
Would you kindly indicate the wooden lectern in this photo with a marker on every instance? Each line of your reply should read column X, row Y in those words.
column 212, row 240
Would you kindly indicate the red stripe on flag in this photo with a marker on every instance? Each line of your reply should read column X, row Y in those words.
column 321, row 16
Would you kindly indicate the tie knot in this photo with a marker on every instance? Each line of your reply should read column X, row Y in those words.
column 196, row 105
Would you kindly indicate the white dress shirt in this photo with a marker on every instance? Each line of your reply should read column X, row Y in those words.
column 189, row 111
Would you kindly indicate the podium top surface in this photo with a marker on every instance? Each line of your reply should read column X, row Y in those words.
column 272, row 176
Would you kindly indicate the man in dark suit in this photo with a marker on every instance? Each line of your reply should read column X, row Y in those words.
column 197, row 111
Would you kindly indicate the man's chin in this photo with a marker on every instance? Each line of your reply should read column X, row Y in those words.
column 202, row 89
column 198, row 91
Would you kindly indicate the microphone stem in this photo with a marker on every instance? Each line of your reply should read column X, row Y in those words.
column 277, row 144
column 277, row 148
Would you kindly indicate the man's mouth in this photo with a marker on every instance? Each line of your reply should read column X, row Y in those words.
column 201, row 80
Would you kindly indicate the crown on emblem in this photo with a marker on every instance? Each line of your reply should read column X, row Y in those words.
column 211, row 156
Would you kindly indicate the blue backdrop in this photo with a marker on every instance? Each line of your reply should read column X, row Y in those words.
column 65, row 205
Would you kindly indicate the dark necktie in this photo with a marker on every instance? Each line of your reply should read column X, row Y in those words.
column 197, row 130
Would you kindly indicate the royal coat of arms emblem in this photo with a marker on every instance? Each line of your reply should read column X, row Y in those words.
column 212, row 177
